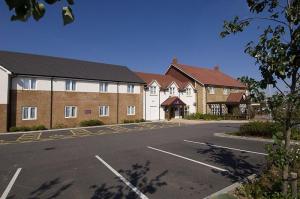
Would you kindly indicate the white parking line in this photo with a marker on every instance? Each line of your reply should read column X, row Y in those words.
column 140, row 194
column 195, row 161
column 224, row 147
column 11, row 184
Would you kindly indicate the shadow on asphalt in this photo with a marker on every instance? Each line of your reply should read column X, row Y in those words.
column 237, row 165
column 137, row 176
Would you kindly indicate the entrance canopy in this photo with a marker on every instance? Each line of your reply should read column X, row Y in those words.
column 233, row 99
column 173, row 101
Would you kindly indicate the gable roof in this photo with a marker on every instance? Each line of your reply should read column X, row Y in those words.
column 208, row 76
column 235, row 97
column 164, row 80
column 173, row 101
column 39, row 65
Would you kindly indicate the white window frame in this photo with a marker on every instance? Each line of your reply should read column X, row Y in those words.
column 103, row 87
column 187, row 110
column 29, row 109
column 72, row 116
column 211, row 90
column 152, row 90
column 172, row 90
column 130, row 110
column 104, row 112
column 130, row 88
column 72, row 86
column 31, row 83
column 188, row 91
column 225, row 91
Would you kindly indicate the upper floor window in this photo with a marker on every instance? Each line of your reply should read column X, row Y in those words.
column 131, row 110
column 211, row 90
column 103, row 87
column 104, row 111
column 152, row 90
column 189, row 91
column 70, row 112
column 130, row 88
column 70, row 85
column 29, row 83
column 172, row 90
column 225, row 91
column 29, row 113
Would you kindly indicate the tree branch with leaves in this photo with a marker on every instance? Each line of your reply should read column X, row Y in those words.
column 277, row 54
column 24, row 9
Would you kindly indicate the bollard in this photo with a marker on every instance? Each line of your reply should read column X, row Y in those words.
column 293, row 177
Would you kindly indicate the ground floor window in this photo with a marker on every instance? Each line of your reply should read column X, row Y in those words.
column 131, row 110
column 186, row 110
column 104, row 111
column 215, row 109
column 70, row 112
column 29, row 113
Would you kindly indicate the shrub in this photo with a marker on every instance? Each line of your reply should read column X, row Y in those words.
column 91, row 123
column 257, row 128
column 133, row 121
column 27, row 128
column 200, row 116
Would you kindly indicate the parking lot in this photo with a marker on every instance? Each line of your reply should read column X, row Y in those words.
column 155, row 161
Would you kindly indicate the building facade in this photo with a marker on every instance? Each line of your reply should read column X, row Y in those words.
column 56, row 92
column 184, row 90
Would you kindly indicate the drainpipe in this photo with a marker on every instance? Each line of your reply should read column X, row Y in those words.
column 118, row 103
column 145, row 108
column 159, row 104
column 51, row 104
column 9, row 104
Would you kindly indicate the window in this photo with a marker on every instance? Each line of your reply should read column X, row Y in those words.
column 188, row 91
column 130, row 88
column 211, row 90
column 131, row 110
column 225, row 91
column 29, row 84
column 103, row 87
column 172, row 90
column 104, row 111
column 152, row 90
column 70, row 112
column 70, row 85
column 215, row 109
column 186, row 110
column 29, row 113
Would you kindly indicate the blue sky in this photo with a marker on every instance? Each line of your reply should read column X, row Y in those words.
column 142, row 34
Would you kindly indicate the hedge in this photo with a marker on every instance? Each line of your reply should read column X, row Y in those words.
column 27, row 128
column 86, row 123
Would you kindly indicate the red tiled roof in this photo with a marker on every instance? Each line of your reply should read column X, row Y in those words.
column 209, row 76
column 235, row 97
column 173, row 101
column 163, row 80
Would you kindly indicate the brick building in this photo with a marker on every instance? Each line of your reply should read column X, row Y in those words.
column 185, row 89
column 50, row 91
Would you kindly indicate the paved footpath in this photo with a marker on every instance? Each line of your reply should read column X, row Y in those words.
column 148, row 161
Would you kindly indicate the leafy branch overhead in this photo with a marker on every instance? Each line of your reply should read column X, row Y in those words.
column 277, row 53
column 24, row 9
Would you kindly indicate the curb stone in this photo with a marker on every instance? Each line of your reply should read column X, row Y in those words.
column 231, row 187
column 224, row 135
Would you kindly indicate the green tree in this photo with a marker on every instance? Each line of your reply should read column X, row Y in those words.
column 277, row 53
column 24, row 9
column 253, row 86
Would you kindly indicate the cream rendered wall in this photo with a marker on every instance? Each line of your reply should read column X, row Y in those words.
column 152, row 103
column 123, row 88
column 4, row 78
column 189, row 100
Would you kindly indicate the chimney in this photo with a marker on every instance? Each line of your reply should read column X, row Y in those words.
column 217, row 67
column 175, row 60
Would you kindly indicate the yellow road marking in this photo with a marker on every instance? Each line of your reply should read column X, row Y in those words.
column 29, row 137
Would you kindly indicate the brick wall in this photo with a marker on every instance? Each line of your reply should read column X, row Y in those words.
column 87, row 107
column 39, row 99
column 3, row 118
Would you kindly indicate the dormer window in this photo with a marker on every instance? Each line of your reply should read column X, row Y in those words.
column 225, row 91
column 152, row 90
column 172, row 90
column 188, row 91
